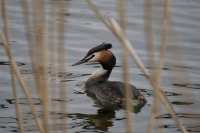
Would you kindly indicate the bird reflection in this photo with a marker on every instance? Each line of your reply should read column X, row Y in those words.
column 101, row 121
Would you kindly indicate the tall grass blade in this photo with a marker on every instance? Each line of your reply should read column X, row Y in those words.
column 13, row 80
column 117, row 31
column 22, row 82
column 123, row 23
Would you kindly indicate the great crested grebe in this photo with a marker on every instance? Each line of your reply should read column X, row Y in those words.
column 109, row 95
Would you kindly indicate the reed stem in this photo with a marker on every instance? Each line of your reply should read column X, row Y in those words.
column 123, row 22
column 22, row 82
column 119, row 33
column 13, row 80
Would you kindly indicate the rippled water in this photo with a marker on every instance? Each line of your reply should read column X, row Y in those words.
column 85, row 31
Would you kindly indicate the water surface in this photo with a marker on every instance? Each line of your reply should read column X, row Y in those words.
column 85, row 31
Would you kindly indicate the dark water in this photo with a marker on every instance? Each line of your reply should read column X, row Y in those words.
column 85, row 31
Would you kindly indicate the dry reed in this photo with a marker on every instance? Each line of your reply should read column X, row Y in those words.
column 40, row 62
column 53, row 56
column 22, row 82
column 119, row 33
column 149, row 40
column 37, row 51
column 157, row 67
column 62, row 7
column 38, row 55
column 121, row 6
column 30, row 39
column 19, row 116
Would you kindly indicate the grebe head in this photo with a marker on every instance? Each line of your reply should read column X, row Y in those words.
column 100, row 54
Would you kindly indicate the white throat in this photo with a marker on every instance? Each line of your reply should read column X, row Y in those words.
column 99, row 73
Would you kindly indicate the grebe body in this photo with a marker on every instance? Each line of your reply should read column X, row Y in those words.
column 109, row 95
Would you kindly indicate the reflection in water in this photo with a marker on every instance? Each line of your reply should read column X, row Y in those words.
column 192, row 125
column 101, row 121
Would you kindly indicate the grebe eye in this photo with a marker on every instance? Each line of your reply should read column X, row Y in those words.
column 91, row 56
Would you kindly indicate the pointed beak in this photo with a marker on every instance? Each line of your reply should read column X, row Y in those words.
column 80, row 62
column 84, row 60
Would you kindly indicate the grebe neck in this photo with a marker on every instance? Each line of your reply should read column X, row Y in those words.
column 100, row 75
